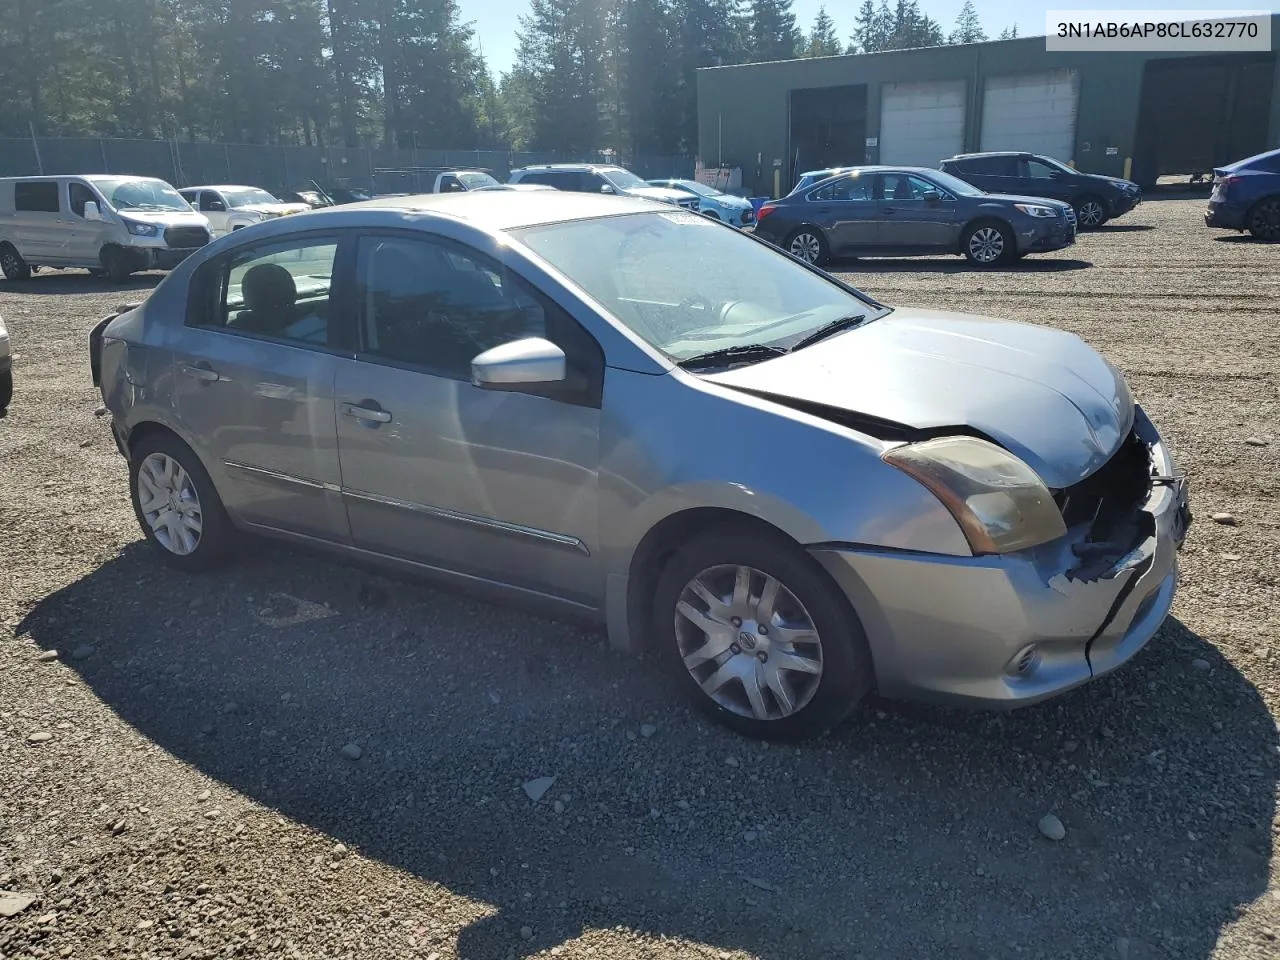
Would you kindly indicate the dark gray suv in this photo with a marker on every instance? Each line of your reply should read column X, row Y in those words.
column 912, row 211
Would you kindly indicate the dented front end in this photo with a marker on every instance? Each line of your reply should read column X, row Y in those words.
column 1016, row 629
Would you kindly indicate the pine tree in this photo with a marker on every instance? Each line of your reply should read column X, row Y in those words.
column 772, row 33
column 968, row 26
column 1009, row 33
column 823, row 40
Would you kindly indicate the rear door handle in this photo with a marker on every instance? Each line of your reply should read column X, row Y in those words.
column 367, row 410
column 200, row 371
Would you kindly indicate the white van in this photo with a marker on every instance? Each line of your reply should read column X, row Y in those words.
column 110, row 224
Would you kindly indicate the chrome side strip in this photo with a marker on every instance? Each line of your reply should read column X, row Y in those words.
column 287, row 478
column 498, row 526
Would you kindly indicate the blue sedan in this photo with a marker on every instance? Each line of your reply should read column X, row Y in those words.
column 736, row 211
column 1246, row 196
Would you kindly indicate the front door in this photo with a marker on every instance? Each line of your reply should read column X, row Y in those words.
column 84, row 237
column 907, row 221
column 254, row 373
column 1044, row 180
column 494, row 484
column 214, row 206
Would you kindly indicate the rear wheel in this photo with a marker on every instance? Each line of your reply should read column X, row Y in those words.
column 808, row 244
column 1090, row 213
column 11, row 262
column 758, row 635
column 6, row 390
column 1264, row 220
column 989, row 244
column 177, row 505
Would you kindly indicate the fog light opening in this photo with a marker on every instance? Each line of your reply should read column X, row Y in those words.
column 1024, row 661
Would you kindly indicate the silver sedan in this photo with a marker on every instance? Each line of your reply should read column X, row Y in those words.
column 789, row 493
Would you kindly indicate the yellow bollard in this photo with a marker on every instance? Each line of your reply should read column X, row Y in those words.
column 777, row 183
column 1128, row 168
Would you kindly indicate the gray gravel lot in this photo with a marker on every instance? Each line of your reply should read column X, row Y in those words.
column 193, row 799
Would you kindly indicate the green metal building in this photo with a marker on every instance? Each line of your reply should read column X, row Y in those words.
column 1141, row 115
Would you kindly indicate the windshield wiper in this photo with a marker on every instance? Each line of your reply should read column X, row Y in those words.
column 828, row 329
column 744, row 352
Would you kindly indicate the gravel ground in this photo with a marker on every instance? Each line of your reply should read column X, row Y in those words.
column 173, row 780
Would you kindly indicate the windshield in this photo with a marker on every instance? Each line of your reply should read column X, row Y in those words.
column 687, row 286
column 473, row 180
column 622, row 179
column 955, row 185
column 248, row 197
column 135, row 194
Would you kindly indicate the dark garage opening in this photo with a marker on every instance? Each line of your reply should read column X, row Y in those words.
column 828, row 128
column 1198, row 113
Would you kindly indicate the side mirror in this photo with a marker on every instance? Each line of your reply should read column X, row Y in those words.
column 91, row 211
column 605, row 188
column 519, row 363
column 217, row 206
column 932, row 196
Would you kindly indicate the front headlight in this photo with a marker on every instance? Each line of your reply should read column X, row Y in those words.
column 139, row 229
column 1036, row 211
column 998, row 501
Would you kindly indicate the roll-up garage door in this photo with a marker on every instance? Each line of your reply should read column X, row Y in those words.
column 1032, row 112
column 921, row 123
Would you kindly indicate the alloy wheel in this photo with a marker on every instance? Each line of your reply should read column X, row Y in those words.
column 168, row 501
column 1090, row 213
column 806, row 246
column 748, row 642
column 9, row 263
column 1264, row 224
column 986, row 245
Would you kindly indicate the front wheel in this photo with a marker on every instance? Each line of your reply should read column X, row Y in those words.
column 809, row 245
column 6, row 391
column 1264, row 221
column 989, row 244
column 758, row 635
column 1091, row 213
column 177, row 505
column 11, row 262
column 115, row 263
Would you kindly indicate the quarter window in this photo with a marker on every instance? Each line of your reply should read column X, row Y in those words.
column 36, row 196
column 280, row 291
column 428, row 305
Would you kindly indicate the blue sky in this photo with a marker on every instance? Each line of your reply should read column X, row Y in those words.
column 495, row 21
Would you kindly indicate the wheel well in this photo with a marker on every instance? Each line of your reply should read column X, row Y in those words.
column 656, row 548
column 148, row 428
column 1257, row 203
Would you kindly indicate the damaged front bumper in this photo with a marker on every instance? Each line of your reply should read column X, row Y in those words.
column 1007, row 631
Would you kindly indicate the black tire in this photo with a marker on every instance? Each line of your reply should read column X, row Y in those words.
column 216, row 537
column 15, row 268
column 116, row 265
column 808, row 244
column 846, row 668
column 1091, row 212
column 6, row 391
column 1263, row 220
column 989, row 243
column 97, row 273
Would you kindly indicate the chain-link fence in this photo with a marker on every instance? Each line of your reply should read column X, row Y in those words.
column 282, row 169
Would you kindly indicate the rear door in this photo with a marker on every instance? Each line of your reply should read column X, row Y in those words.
column 38, row 229
column 1001, row 174
column 254, row 377
column 846, row 210
column 907, row 221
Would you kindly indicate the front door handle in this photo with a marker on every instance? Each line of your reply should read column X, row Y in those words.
column 200, row 371
column 367, row 410
column 888, row 209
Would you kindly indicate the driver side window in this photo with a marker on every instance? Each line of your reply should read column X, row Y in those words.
column 211, row 202
column 434, row 306
column 1040, row 171
column 78, row 195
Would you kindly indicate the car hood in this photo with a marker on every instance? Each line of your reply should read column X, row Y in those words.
column 166, row 218
column 1041, row 393
column 1119, row 182
column 1038, row 201
column 664, row 194
column 274, row 209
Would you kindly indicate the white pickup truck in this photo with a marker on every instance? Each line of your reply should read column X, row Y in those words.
column 457, row 181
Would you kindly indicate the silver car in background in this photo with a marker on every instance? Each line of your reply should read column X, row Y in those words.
column 787, row 492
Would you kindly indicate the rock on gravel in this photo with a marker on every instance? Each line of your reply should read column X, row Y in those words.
column 46, row 655
column 1200, row 663
column 352, row 751
column 1051, row 827
column 40, row 736
column 537, row 789
column 12, row 904
column 1255, row 441
column 1226, row 519
column 82, row 652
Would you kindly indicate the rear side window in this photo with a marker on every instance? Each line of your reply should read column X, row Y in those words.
column 846, row 188
column 995, row 167
column 36, row 196
column 551, row 178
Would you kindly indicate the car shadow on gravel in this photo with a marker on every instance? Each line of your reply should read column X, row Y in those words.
column 912, row 832
column 60, row 283
column 1122, row 228
column 954, row 265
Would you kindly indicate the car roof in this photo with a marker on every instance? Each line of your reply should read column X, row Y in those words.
column 991, row 153
column 571, row 167
column 222, row 186
column 501, row 209
column 811, row 173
